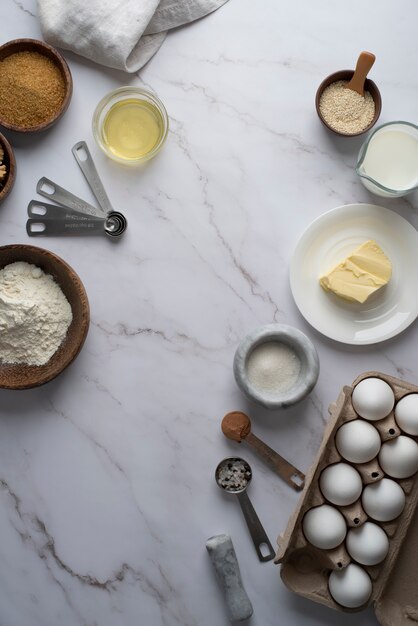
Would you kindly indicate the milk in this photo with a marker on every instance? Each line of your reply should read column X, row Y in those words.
column 391, row 159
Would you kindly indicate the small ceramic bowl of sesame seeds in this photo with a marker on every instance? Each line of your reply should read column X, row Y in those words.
column 7, row 168
column 348, row 103
column 35, row 85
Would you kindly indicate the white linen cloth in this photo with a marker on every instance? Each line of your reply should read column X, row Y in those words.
column 123, row 34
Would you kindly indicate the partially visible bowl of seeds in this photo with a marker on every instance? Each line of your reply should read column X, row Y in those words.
column 7, row 168
column 344, row 111
column 35, row 85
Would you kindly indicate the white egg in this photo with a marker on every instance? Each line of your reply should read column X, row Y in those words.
column 324, row 527
column 368, row 544
column 357, row 441
column 373, row 399
column 384, row 500
column 406, row 414
column 399, row 457
column 340, row 484
column 351, row 587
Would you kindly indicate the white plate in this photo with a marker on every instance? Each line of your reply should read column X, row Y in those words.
column 325, row 243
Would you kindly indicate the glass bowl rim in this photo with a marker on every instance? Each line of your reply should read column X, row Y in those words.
column 116, row 95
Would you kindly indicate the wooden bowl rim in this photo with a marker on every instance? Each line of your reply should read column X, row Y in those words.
column 20, row 45
column 85, row 322
column 369, row 85
column 11, row 175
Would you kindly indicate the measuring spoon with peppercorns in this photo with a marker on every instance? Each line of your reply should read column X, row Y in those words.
column 233, row 475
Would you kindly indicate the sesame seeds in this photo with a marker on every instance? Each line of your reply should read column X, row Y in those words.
column 345, row 110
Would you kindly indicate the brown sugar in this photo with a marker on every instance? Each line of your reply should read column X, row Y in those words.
column 236, row 426
column 32, row 89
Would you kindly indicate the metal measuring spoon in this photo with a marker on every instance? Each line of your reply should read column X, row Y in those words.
column 237, row 427
column 86, row 164
column 114, row 222
column 48, row 189
column 118, row 222
column 49, row 220
column 233, row 475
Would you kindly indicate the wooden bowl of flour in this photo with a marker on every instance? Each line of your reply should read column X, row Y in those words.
column 22, row 376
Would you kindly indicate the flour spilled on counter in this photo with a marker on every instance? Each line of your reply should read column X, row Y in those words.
column 34, row 315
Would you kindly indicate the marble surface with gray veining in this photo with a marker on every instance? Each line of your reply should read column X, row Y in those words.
column 107, row 491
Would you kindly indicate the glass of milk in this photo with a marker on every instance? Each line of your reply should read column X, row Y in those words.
column 388, row 160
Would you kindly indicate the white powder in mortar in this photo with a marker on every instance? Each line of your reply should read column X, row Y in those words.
column 34, row 315
column 273, row 367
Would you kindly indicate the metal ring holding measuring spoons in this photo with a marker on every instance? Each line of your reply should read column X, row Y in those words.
column 115, row 224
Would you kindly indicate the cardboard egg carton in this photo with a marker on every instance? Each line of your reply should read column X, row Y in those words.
column 305, row 569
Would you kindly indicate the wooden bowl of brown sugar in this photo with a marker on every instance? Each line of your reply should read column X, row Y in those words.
column 21, row 375
column 7, row 168
column 369, row 86
column 35, row 85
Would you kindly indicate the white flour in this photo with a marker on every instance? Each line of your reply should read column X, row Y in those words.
column 34, row 315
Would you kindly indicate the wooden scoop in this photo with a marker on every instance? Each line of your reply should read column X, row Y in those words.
column 237, row 426
column 363, row 67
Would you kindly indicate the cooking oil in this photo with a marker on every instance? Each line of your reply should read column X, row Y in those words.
column 132, row 128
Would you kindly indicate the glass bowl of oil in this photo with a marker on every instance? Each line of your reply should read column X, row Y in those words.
column 130, row 125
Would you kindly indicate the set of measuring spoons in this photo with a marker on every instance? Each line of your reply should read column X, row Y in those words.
column 71, row 215
column 234, row 474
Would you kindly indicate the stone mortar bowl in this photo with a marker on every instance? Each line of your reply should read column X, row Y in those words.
column 304, row 349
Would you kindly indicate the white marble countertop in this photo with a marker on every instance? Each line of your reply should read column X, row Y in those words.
column 107, row 493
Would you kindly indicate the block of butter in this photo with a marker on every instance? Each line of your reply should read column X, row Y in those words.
column 361, row 274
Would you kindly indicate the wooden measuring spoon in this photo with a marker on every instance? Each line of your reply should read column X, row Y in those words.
column 237, row 426
column 363, row 67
